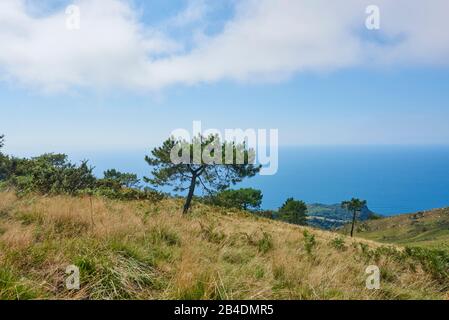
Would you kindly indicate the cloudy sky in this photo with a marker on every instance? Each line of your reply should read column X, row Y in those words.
column 136, row 70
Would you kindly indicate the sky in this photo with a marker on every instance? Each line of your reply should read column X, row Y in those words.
column 133, row 71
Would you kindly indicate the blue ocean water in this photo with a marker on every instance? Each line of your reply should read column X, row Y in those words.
column 393, row 179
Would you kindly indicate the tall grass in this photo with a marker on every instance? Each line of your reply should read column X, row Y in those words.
column 145, row 250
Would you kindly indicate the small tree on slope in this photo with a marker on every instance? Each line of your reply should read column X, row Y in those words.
column 354, row 205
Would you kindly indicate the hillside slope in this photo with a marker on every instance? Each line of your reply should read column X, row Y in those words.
column 141, row 250
column 425, row 229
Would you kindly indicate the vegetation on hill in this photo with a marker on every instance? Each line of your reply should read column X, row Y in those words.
column 332, row 217
column 244, row 199
column 147, row 250
column 55, row 214
column 424, row 229
column 54, row 174
column 293, row 211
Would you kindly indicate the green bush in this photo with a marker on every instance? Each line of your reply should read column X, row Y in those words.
column 309, row 241
column 265, row 244
column 127, row 193
column 434, row 261
column 244, row 199
column 339, row 243
column 126, row 180
column 54, row 174
column 49, row 174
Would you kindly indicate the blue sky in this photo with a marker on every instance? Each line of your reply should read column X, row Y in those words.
column 333, row 83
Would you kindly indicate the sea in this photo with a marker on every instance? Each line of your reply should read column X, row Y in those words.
column 392, row 179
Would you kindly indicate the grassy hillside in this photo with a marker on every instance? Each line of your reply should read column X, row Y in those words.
column 425, row 229
column 143, row 250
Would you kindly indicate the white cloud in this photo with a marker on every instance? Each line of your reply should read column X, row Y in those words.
column 267, row 40
column 195, row 11
column 110, row 50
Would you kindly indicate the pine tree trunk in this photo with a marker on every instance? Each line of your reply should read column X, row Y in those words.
column 353, row 223
column 190, row 195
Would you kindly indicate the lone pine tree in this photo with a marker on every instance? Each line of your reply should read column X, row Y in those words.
column 205, row 162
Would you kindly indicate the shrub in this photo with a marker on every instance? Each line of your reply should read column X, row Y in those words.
column 49, row 174
column 309, row 241
column 434, row 261
column 243, row 199
column 339, row 243
column 111, row 192
column 265, row 244
column 53, row 174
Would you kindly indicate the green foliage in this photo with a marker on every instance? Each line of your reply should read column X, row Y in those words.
column 339, row 243
column 118, row 193
column 268, row 214
column 309, row 241
column 243, row 199
column 293, row 211
column 4, row 164
column 53, row 174
column 265, row 244
column 333, row 216
column 4, row 161
column 434, row 261
column 425, row 229
column 87, row 266
column 181, row 164
column 126, row 180
column 50, row 174
column 259, row 272
column 354, row 204
column 13, row 288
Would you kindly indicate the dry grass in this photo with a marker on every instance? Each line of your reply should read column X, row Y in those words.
column 141, row 250
column 425, row 229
